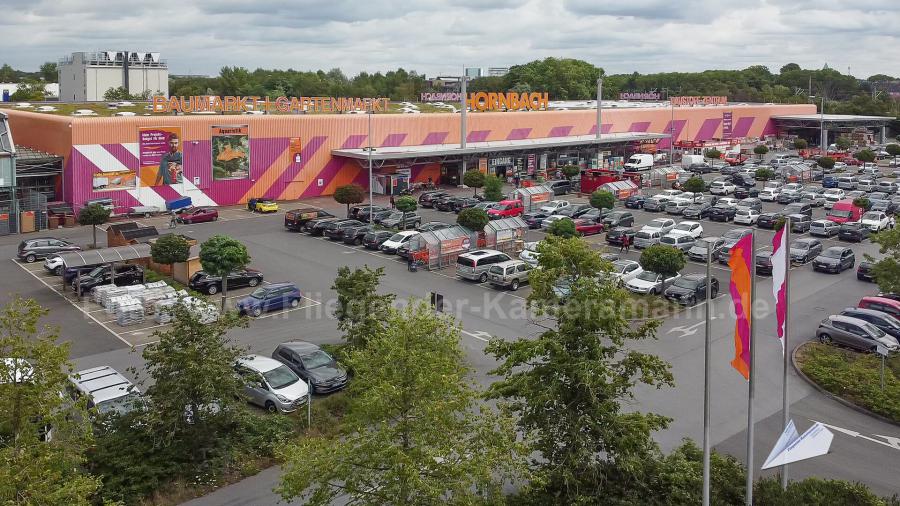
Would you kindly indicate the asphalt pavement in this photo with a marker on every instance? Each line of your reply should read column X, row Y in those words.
column 484, row 312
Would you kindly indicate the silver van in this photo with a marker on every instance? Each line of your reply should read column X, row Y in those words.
column 683, row 242
column 475, row 264
column 824, row 228
column 646, row 238
column 509, row 274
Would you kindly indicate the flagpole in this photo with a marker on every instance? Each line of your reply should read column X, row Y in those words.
column 750, row 389
column 706, row 353
column 785, row 406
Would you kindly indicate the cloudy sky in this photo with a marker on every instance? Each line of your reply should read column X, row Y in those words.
column 440, row 37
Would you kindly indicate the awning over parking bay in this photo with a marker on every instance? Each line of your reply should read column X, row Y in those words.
column 105, row 255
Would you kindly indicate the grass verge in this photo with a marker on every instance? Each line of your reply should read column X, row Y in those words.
column 855, row 377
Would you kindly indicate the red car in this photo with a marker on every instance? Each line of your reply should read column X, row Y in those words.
column 506, row 209
column 588, row 227
column 198, row 215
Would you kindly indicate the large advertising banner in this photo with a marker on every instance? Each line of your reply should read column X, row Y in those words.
column 161, row 157
column 113, row 180
column 230, row 152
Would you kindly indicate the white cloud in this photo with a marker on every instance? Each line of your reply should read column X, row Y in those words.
column 440, row 37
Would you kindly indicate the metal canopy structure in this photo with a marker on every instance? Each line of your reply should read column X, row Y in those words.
column 33, row 163
column 451, row 152
column 105, row 255
column 830, row 121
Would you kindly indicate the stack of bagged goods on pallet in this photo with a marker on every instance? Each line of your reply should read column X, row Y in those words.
column 130, row 312
column 156, row 292
column 206, row 312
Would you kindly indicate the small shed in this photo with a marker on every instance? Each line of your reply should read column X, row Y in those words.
column 506, row 235
column 439, row 248
column 130, row 232
column 533, row 196
column 664, row 177
column 621, row 189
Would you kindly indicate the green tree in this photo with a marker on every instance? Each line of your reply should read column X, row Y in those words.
column 572, row 385
column 764, row 174
column 93, row 215
column 417, row 434
column 662, row 259
column 862, row 202
column 887, row 270
column 826, row 162
column 220, row 256
column 170, row 249
column 406, row 204
column 761, row 150
column 713, row 154
column 473, row 219
column 602, row 199
column 695, row 184
column 570, row 171
column 563, row 228
column 789, row 67
column 120, row 93
column 493, row 188
column 31, row 89
column 360, row 309
column 349, row 194
column 800, row 144
column 893, row 150
column 842, row 143
column 473, row 179
column 33, row 373
column 49, row 72
column 865, row 155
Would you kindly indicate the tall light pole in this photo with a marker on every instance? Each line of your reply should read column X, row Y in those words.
column 462, row 124
column 822, row 133
column 371, row 182
column 599, row 106
column 671, row 129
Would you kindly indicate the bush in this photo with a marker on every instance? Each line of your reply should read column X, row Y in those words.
column 570, row 171
column 473, row 179
column 170, row 249
column 826, row 162
column 713, row 154
column 406, row 204
column 800, row 144
column 767, row 492
column 662, row 259
column 602, row 199
column 764, row 174
column 493, row 188
column 761, row 150
column 473, row 219
column 862, row 202
column 695, row 184
column 865, row 155
column 843, row 143
column 564, row 228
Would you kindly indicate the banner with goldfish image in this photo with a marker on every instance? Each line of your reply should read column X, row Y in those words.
column 230, row 152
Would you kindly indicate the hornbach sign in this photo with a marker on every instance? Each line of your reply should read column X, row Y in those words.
column 681, row 101
column 280, row 104
column 510, row 101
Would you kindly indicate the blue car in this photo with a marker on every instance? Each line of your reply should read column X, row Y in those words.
column 270, row 298
column 829, row 182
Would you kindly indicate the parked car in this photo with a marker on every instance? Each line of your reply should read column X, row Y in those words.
column 690, row 289
column 768, row 194
column 336, row 229
column 722, row 188
column 313, row 365
column 800, row 223
column 574, row 210
column 645, row 238
column 356, row 235
column 698, row 210
column 394, row 242
column 125, row 275
column 798, row 208
column 105, row 390
column 268, row 298
column 751, row 203
column 884, row 302
column 768, row 220
column 656, row 203
column 317, row 227
column 550, row 220
column 354, row 212
column 555, row 205
column 854, row 333
column 530, row 254
column 635, row 202
column 763, row 260
column 722, row 212
column 31, row 250
column 535, row 219
column 864, row 272
column 847, row 182
column 198, row 215
column 617, row 235
column 446, row 203
column 824, row 228
column 509, row 274
column 677, row 206
column 54, row 265
column 835, row 259
column 587, row 227
column 365, row 216
column 426, row 199
column 662, row 225
column 618, row 219
column 679, row 241
column 805, row 249
column 698, row 250
column 853, row 232
column 746, row 216
column 401, row 221
column 594, row 214
column 624, row 271
column 691, row 228
column 559, row 187
column 875, row 221
column 271, row 384
column 375, row 238
column 743, row 192
column 884, row 321
column 649, row 282
column 298, row 219
column 263, row 205
column 431, row 226
column 475, row 265
column 888, row 187
column 207, row 283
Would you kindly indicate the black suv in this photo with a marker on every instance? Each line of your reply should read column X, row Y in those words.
column 722, row 212
column 768, row 220
column 616, row 235
column 317, row 227
column 401, row 221
column 125, row 275
column 853, row 232
column 335, row 230
column 207, row 283
column 42, row 247
column 465, row 203
column 690, row 289
column 427, row 199
column 355, row 235
column 618, row 219
column 300, row 219
column 635, row 202
column 559, row 187
column 315, row 366
column 356, row 211
column 363, row 214
column 374, row 239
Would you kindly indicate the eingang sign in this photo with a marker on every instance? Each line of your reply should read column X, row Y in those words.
column 280, row 104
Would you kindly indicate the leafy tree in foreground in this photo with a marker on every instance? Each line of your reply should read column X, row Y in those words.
column 571, row 385
column 826, row 162
column 360, row 309
column 563, row 228
column 603, row 199
column 33, row 372
column 570, row 171
column 416, row 435
column 473, row 219
column 865, row 155
column 349, row 194
column 170, row 249
column 761, row 150
column 406, row 204
column 474, row 178
column 800, row 144
column 887, row 270
column 695, row 185
column 493, row 188
column 93, row 215
column 662, row 259
column 221, row 255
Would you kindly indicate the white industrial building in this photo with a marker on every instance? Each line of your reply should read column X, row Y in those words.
column 86, row 77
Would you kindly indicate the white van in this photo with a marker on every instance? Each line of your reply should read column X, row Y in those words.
column 639, row 162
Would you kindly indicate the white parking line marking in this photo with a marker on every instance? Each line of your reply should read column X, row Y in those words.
column 478, row 334
column 136, row 331
column 314, row 303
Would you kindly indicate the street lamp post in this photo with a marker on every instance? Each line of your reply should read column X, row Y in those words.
column 371, row 183
column 599, row 106
column 823, row 140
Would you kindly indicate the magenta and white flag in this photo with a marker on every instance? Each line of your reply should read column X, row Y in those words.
column 780, row 255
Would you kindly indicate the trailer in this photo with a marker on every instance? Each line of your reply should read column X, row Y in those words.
column 145, row 211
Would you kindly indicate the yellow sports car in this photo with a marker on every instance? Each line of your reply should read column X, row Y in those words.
column 265, row 206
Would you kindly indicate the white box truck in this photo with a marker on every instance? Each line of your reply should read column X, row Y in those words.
column 688, row 160
column 639, row 162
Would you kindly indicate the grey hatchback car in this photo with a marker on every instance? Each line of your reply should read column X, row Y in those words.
column 42, row 247
column 313, row 365
column 854, row 333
